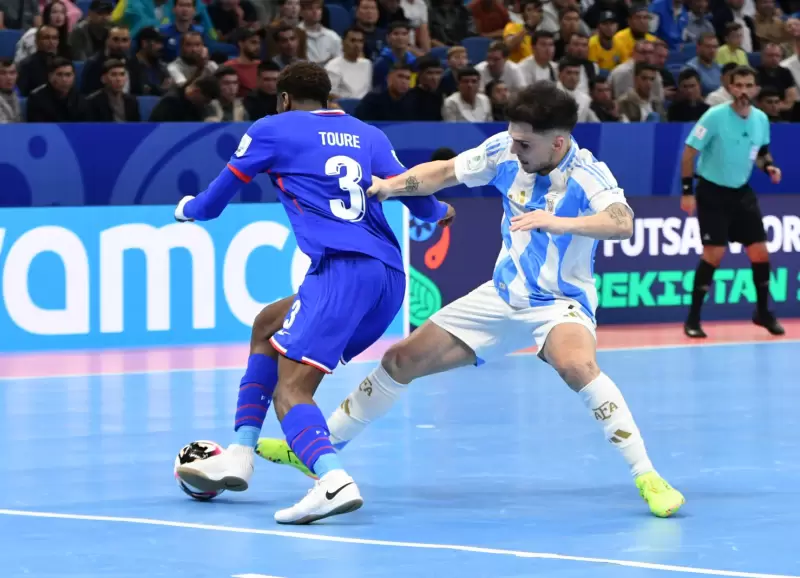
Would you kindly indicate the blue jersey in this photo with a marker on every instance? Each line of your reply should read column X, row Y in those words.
column 322, row 163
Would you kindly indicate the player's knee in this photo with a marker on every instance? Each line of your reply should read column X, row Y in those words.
column 758, row 253
column 578, row 373
column 401, row 363
column 713, row 255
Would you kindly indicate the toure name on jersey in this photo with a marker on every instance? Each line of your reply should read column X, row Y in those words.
column 339, row 139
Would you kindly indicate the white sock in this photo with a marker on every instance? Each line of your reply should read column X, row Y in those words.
column 604, row 399
column 373, row 398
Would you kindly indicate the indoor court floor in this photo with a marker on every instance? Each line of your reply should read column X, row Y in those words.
column 479, row 473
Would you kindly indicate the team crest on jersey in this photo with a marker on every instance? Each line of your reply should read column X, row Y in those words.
column 475, row 163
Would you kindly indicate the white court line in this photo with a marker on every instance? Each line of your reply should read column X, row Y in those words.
column 361, row 361
column 414, row 545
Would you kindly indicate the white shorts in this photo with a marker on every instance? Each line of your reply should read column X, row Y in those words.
column 493, row 329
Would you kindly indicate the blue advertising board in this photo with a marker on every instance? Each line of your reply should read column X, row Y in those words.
column 87, row 277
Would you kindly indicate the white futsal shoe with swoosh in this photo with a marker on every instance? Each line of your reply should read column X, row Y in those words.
column 333, row 494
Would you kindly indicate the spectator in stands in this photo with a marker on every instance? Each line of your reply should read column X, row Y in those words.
column 456, row 60
column 518, row 36
column 34, row 71
column 496, row 67
column 668, row 21
column 540, row 65
column 416, row 12
column 619, row 8
column 184, row 13
column 638, row 105
column 603, row 105
column 230, row 16
column 468, row 104
column 367, row 20
column 288, row 46
column 659, row 61
column 769, row 101
column 705, row 63
column 622, row 76
column 388, row 103
column 768, row 26
column 722, row 94
column 228, row 107
column 497, row 91
column 793, row 62
column 10, row 109
column 289, row 15
column 246, row 64
column 395, row 52
column 425, row 100
column 192, row 61
column 187, row 102
column 733, row 11
column 732, row 51
column 118, row 45
column 55, row 15
column 771, row 73
column 569, row 24
column 350, row 73
column 604, row 50
column 19, row 14
column 689, row 105
column 322, row 44
column 111, row 103
column 450, row 22
column 578, row 50
column 89, row 36
column 569, row 74
column 490, row 17
column 390, row 11
column 638, row 25
column 551, row 14
column 59, row 99
column 148, row 73
column 699, row 21
column 263, row 101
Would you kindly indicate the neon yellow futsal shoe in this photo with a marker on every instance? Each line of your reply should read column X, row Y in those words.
column 278, row 452
column 663, row 499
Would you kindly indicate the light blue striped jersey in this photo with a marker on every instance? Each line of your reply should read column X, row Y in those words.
column 533, row 268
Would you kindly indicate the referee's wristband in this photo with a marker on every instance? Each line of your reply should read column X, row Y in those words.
column 766, row 167
column 687, row 185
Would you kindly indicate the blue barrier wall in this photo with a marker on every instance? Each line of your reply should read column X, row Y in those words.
column 87, row 277
column 141, row 164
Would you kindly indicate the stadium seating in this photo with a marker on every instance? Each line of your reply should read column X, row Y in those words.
column 8, row 42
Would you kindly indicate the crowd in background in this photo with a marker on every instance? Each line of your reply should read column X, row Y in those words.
column 392, row 60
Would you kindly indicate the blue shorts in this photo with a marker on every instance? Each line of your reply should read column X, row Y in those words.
column 343, row 306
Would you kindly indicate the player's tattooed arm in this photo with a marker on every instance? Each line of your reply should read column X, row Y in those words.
column 622, row 217
column 422, row 180
column 614, row 223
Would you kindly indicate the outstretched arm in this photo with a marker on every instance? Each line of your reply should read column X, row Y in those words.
column 422, row 180
column 210, row 203
column 614, row 223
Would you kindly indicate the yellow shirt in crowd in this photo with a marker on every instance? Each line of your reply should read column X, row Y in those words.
column 726, row 55
column 605, row 59
column 625, row 41
column 523, row 50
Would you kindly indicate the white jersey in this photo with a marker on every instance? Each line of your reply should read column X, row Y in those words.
column 534, row 269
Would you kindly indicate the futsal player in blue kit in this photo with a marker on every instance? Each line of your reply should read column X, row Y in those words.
column 322, row 162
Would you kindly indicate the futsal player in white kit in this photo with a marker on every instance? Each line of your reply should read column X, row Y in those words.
column 559, row 202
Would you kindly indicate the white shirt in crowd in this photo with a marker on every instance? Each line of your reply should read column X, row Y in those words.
column 416, row 12
column 532, row 72
column 321, row 44
column 719, row 96
column 583, row 83
column 455, row 109
column 511, row 77
column 793, row 65
column 585, row 113
column 350, row 79
column 181, row 71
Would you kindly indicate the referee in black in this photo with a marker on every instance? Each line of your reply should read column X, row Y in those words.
column 729, row 139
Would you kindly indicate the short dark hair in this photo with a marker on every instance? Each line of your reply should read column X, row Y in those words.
column 59, row 62
column 539, row 34
column 426, row 62
column 705, row 36
column 225, row 71
column 769, row 92
column 578, row 34
column 498, row 46
column 728, row 68
column 268, row 66
column 149, row 33
column 398, row 24
column 490, row 86
column 732, row 27
column 398, row 66
column 569, row 62
column 740, row 71
column 468, row 71
column 688, row 73
column 640, row 67
column 305, row 81
column 244, row 34
column 111, row 64
column 598, row 80
column 567, row 10
column 6, row 63
column 189, row 34
column 354, row 30
column 207, row 85
column 280, row 30
column 544, row 107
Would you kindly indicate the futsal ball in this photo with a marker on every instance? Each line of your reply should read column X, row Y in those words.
column 200, row 450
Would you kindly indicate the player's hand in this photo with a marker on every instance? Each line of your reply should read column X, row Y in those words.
column 379, row 189
column 179, row 216
column 774, row 174
column 449, row 216
column 688, row 204
column 542, row 221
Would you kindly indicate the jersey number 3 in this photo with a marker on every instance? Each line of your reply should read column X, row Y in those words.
column 350, row 183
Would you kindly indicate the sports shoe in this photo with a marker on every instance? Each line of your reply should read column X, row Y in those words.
column 769, row 322
column 334, row 493
column 278, row 452
column 230, row 470
column 662, row 498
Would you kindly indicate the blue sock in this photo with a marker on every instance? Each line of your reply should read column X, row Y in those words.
column 307, row 434
column 255, row 396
